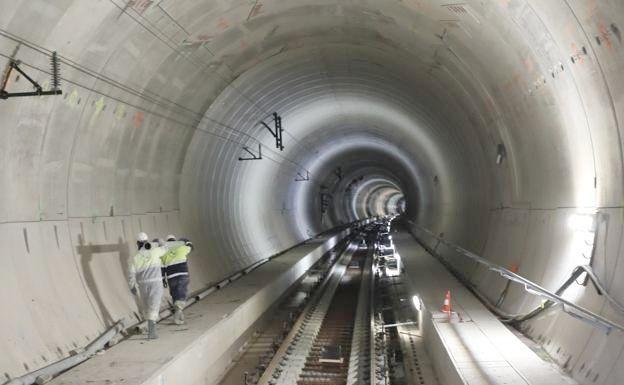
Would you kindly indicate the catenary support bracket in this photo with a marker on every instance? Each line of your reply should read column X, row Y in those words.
column 301, row 178
column 276, row 131
column 14, row 65
column 253, row 156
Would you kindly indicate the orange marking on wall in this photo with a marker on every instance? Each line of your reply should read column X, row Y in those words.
column 223, row 24
column 592, row 8
column 577, row 54
column 204, row 37
column 605, row 35
column 528, row 65
column 569, row 29
column 140, row 5
column 138, row 119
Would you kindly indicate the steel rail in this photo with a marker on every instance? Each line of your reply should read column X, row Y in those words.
column 304, row 328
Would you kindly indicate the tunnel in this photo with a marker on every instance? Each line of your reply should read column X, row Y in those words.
column 254, row 126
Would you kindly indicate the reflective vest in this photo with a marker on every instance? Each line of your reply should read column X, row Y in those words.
column 174, row 262
column 145, row 266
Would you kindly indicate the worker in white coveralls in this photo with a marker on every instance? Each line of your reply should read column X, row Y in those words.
column 176, row 273
column 144, row 273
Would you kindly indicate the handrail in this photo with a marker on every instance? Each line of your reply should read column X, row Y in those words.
column 568, row 307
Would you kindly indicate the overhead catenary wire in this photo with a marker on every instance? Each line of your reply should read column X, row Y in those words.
column 156, row 100
column 194, row 125
column 173, row 45
column 155, row 31
column 65, row 61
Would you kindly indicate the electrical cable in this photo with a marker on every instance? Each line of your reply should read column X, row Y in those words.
column 293, row 164
column 133, row 92
column 200, row 63
column 107, row 80
column 518, row 318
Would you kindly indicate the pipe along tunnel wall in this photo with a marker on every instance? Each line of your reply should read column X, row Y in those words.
column 495, row 123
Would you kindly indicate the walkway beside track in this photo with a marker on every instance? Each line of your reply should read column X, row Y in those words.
column 200, row 351
column 479, row 349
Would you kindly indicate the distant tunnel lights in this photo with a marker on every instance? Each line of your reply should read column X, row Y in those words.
column 582, row 222
column 416, row 301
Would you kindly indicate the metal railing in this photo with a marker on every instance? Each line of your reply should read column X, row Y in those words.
column 567, row 306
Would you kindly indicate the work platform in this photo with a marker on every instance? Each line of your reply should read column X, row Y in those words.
column 200, row 351
column 474, row 348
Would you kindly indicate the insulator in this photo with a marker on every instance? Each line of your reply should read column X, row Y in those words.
column 56, row 76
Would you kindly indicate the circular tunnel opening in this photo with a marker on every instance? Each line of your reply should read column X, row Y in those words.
column 492, row 122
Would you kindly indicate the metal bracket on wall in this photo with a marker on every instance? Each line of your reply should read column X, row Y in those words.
column 325, row 201
column 301, row 178
column 257, row 156
column 277, row 131
column 338, row 173
column 14, row 65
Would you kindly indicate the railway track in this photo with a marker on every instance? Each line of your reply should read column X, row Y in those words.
column 318, row 349
column 355, row 329
column 327, row 362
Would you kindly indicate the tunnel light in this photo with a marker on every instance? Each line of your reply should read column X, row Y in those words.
column 416, row 301
column 582, row 222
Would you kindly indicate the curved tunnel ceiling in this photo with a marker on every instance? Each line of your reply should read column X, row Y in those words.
column 487, row 121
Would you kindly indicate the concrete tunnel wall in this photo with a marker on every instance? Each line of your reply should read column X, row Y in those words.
column 161, row 96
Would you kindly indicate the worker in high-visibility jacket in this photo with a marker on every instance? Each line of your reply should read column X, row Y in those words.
column 176, row 273
column 144, row 273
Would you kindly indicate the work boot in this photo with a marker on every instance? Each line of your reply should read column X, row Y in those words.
column 151, row 330
column 178, row 315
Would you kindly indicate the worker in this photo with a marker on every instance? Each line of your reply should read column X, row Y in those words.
column 175, row 267
column 145, row 279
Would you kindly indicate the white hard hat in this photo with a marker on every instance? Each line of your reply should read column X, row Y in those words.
column 142, row 237
column 170, row 237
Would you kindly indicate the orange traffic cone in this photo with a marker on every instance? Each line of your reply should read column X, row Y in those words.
column 446, row 308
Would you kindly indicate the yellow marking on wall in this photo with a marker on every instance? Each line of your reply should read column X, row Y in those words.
column 72, row 99
column 120, row 111
column 99, row 106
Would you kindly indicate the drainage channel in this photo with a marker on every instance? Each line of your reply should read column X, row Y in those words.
column 318, row 349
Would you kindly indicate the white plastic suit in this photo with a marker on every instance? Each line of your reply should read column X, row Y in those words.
column 144, row 271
